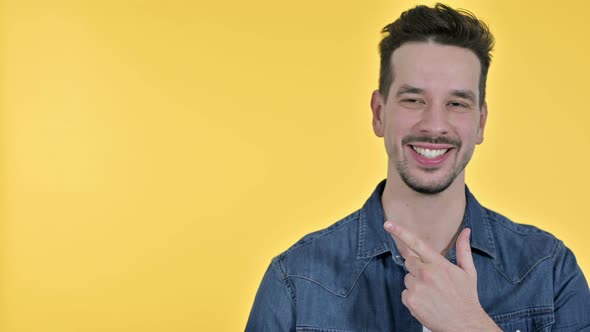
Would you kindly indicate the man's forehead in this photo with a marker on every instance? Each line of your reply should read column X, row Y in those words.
column 424, row 55
column 428, row 47
column 427, row 65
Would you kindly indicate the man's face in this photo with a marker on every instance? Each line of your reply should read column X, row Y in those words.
column 431, row 120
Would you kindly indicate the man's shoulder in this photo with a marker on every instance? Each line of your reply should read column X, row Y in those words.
column 515, row 227
column 319, row 256
column 506, row 227
column 344, row 227
column 519, row 247
column 338, row 240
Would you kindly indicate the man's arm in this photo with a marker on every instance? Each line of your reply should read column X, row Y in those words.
column 572, row 296
column 274, row 306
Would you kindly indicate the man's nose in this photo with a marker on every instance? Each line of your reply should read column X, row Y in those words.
column 434, row 121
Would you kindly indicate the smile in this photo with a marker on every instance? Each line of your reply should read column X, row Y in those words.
column 429, row 153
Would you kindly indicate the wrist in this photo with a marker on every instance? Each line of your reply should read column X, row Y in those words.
column 482, row 322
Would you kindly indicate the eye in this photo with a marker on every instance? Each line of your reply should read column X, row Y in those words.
column 412, row 100
column 459, row 106
column 412, row 103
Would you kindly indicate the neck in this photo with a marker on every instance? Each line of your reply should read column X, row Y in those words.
column 435, row 219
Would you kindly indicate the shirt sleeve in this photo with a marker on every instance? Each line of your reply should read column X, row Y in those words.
column 572, row 296
column 274, row 305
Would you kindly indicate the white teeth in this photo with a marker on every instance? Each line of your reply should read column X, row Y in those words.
column 428, row 153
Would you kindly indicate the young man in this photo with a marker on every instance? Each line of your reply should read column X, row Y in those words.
column 422, row 253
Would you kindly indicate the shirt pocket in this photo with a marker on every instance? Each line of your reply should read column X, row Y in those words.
column 528, row 320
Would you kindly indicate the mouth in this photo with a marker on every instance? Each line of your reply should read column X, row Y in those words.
column 430, row 155
column 429, row 152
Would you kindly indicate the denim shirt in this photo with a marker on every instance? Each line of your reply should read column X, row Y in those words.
column 349, row 278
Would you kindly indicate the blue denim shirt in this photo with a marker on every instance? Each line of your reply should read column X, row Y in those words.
column 349, row 277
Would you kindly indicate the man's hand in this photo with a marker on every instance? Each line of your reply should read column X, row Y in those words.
column 441, row 295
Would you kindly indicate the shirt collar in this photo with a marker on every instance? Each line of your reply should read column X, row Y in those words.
column 374, row 240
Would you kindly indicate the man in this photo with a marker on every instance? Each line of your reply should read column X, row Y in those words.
column 422, row 254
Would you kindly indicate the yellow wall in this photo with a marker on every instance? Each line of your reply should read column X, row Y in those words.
column 157, row 154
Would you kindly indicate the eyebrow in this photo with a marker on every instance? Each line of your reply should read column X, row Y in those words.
column 408, row 89
column 465, row 94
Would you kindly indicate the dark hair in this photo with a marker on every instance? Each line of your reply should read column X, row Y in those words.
column 442, row 25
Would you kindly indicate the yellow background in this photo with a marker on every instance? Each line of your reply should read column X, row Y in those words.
column 155, row 155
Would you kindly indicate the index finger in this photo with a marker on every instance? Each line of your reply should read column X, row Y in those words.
column 425, row 253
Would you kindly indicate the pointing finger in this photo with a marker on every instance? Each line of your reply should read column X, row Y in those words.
column 425, row 253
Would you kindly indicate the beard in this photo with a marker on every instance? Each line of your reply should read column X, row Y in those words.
column 420, row 185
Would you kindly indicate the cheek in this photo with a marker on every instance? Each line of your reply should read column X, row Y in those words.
column 468, row 128
column 394, row 133
column 400, row 124
column 392, row 139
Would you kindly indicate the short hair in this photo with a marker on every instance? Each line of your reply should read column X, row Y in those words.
column 442, row 25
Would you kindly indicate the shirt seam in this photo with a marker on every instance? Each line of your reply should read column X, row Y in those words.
column 322, row 233
column 284, row 278
column 557, row 251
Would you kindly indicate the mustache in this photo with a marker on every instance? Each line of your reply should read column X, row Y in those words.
column 432, row 140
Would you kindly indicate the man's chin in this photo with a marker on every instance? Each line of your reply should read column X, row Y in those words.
column 426, row 180
column 430, row 188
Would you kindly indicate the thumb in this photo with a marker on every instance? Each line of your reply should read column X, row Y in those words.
column 463, row 249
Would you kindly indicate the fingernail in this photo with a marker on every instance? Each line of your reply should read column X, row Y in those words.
column 389, row 225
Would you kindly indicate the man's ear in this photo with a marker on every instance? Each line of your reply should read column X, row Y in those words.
column 483, row 117
column 378, row 107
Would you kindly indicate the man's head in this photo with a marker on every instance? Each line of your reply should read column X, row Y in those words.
column 430, row 107
column 442, row 25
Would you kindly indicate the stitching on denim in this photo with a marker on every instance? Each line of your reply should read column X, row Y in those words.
column 490, row 235
column 358, row 275
column 303, row 328
column 514, row 227
column 375, row 252
column 317, row 283
column 285, row 279
column 362, row 237
column 557, row 250
column 319, row 234
column 486, row 228
column 516, row 281
column 497, row 267
column 525, row 313
column 361, row 231
column 348, row 288
column 550, row 322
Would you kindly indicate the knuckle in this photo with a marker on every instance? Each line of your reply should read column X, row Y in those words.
column 410, row 301
column 447, row 268
column 425, row 275
column 410, row 282
column 405, row 297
